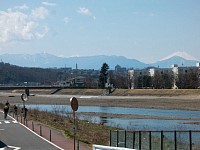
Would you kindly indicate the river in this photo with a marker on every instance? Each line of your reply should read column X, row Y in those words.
column 185, row 122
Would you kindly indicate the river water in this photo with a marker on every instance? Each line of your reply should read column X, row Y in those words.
column 134, row 124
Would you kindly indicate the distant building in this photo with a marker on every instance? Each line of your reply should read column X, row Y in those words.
column 183, row 70
column 134, row 75
column 120, row 70
column 78, row 82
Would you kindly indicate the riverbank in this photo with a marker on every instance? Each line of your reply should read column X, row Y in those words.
column 155, row 99
column 86, row 132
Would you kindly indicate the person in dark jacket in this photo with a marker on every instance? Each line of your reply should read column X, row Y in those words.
column 6, row 109
column 24, row 112
column 15, row 110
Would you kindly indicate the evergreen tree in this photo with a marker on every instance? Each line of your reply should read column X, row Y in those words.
column 103, row 75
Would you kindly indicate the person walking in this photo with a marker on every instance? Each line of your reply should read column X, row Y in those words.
column 15, row 110
column 6, row 109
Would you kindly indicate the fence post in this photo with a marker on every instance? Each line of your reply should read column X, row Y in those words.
column 149, row 140
column 161, row 140
column 190, row 136
column 40, row 130
column 117, row 138
column 175, row 147
column 26, row 122
column 133, row 139
column 140, row 146
column 32, row 126
column 110, row 137
column 78, row 145
column 125, row 139
column 50, row 136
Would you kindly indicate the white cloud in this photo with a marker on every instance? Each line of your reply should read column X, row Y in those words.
column 22, row 7
column 40, row 35
column 48, row 4
column 66, row 20
column 39, row 13
column 15, row 25
column 86, row 12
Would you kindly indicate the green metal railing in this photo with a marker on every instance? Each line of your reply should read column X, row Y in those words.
column 156, row 140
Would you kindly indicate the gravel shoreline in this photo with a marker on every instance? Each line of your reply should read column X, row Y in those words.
column 181, row 102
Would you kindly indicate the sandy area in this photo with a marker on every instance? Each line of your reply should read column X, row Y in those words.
column 181, row 102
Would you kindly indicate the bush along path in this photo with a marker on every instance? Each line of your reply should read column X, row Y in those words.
column 86, row 132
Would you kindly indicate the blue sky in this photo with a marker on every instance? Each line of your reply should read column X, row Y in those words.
column 146, row 30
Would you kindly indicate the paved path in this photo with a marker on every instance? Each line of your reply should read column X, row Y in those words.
column 55, row 136
column 14, row 136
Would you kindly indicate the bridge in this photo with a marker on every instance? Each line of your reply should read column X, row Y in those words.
column 33, row 87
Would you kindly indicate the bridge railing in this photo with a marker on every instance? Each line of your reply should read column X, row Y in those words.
column 156, row 140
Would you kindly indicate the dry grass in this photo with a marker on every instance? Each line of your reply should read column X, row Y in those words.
column 97, row 133
column 81, row 91
column 154, row 92
column 122, row 92
column 181, row 99
column 87, row 132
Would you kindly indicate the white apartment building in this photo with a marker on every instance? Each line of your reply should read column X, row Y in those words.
column 133, row 76
column 183, row 70
column 174, row 72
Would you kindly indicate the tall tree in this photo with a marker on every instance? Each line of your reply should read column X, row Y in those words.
column 103, row 75
column 119, row 81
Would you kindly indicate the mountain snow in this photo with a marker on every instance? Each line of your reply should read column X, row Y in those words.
column 180, row 54
column 45, row 60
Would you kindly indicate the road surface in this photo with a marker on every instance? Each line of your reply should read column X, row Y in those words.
column 14, row 136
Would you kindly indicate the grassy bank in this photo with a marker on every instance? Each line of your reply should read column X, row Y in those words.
column 96, row 133
column 157, row 92
column 120, row 92
column 87, row 132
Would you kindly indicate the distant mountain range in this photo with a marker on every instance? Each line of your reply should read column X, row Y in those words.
column 45, row 60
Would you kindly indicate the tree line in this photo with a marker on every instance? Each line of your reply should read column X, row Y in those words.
column 189, row 80
column 15, row 75
column 11, row 74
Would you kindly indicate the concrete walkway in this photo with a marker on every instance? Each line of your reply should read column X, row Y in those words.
column 53, row 135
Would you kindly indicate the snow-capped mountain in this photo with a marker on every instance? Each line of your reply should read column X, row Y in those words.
column 45, row 60
column 180, row 61
column 180, row 54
